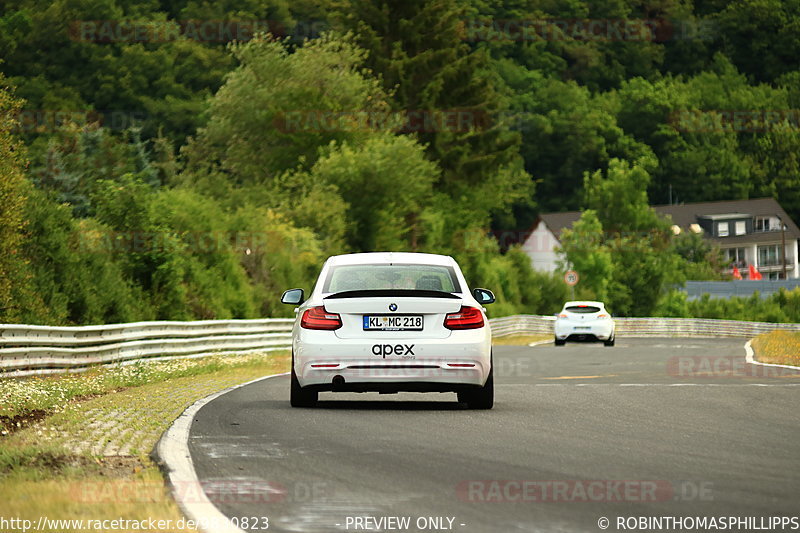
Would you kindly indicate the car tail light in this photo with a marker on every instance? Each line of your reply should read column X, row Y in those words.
column 466, row 318
column 563, row 315
column 602, row 315
column 319, row 318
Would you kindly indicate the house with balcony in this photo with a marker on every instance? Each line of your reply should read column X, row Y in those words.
column 749, row 232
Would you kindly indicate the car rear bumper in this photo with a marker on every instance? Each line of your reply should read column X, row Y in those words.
column 461, row 361
column 385, row 387
column 600, row 331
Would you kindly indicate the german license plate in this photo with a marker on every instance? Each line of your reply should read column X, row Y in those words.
column 392, row 322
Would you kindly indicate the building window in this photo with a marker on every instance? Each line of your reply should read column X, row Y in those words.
column 769, row 255
column 763, row 224
column 722, row 229
column 741, row 227
column 736, row 257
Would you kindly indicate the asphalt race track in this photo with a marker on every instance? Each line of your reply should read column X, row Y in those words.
column 649, row 428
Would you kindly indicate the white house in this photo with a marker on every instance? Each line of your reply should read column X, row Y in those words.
column 749, row 232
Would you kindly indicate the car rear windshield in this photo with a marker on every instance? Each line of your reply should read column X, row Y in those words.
column 380, row 277
column 582, row 309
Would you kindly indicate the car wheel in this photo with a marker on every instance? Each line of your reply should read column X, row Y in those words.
column 559, row 342
column 611, row 341
column 482, row 398
column 299, row 397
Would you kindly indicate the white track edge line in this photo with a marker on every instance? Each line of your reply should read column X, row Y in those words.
column 539, row 343
column 172, row 452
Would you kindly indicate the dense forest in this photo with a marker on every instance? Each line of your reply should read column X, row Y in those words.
column 191, row 160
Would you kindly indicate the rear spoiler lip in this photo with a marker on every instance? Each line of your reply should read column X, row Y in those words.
column 392, row 293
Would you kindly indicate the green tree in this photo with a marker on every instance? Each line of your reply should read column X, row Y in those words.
column 761, row 36
column 417, row 48
column 12, row 201
column 777, row 173
column 637, row 238
column 586, row 252
column 76, row 269
column 557, row 118
column 619, row 197
column 704, row 154
column 277, row 109
column 642, row 268
column 385, row 183
column 72, row 56
column 177, row 246
column 77, row 158
column 699, row 258
column 276, row 255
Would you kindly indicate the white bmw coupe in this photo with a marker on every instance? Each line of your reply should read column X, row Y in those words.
column 391, row 322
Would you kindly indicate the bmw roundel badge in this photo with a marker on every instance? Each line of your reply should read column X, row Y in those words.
column 392, row 307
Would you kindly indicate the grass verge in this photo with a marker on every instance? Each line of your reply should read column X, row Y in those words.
column 88, row 457
column 26, row 400
column 778, row 347
column 519, row 340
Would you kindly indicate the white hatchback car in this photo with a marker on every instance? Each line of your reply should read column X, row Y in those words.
column 585, row 321
column 391, row 322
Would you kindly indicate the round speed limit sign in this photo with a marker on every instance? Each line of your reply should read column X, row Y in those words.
column 571, row 278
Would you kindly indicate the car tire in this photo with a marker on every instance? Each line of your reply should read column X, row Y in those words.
column 611, row 341
column 482, row 398
column 299, row 397
column 559, row 342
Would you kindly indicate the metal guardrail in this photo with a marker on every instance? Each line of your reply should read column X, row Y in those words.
column 27, row 350
column 645, row 327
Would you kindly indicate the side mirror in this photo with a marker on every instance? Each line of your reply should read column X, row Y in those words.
column 484, row 296
column 293, row 297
